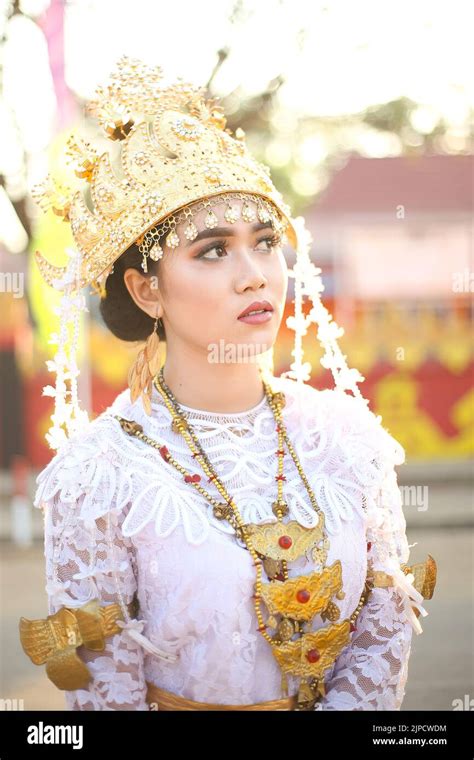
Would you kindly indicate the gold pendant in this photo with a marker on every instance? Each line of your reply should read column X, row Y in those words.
column 314, row 652
column 286, row 629
column 305, row 596
column 178, row 424
column 332, row 613
column 222, row 511
column 285, row 541
column 309, row 693
column 280, row 507
column 272, row 622
column 273, row 567
column 319, row 554
column 306, row 698
column 278, row 398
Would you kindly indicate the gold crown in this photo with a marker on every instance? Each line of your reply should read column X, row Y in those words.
column 172, row 148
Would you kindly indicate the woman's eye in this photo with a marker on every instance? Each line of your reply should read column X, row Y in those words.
column 271, row 243
column 203, row 255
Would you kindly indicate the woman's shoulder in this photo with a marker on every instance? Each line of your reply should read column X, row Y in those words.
column 310, row 400
column 339, row 415
column 87, row 465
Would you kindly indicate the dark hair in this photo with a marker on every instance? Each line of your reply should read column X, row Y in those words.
column 118, row 309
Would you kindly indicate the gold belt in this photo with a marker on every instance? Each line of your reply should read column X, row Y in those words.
column 165, row 700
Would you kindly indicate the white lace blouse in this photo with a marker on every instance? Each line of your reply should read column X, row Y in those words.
column 119, row 520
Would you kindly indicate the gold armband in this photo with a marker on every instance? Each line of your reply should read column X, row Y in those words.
column 425, row 574
column 55, row 639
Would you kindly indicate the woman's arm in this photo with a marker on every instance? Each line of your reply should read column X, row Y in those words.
column 88, row 558
column 91, row 560
column 371, row 672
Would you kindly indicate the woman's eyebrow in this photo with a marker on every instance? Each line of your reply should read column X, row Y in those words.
column 226, row 231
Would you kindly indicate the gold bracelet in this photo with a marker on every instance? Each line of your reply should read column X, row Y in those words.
column 55, row 639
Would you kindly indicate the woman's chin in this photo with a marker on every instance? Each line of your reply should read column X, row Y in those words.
column 243, row 348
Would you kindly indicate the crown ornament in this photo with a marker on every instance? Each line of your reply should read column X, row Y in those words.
column 169, row 148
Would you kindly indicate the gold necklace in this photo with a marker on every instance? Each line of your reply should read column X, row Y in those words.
column 279, row 507
column 272, row 546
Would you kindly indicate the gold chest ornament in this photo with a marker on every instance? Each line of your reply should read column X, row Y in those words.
column 292, row 603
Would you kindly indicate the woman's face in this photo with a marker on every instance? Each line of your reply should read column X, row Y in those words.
column 204, row 285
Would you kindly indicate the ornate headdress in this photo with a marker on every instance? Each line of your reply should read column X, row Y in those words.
column 168, row 152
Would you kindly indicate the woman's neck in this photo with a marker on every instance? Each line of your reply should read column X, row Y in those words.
column 220, row 387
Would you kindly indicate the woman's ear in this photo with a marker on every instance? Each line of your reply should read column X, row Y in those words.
column 144, row 291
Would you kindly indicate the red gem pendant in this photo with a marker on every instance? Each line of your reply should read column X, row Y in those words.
column 313, row 655
column 303, row 595
column 285, row 542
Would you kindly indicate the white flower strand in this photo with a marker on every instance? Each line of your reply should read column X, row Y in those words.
column 308, row 282
column 67, row 414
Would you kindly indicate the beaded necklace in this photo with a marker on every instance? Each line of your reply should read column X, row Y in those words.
column 292, row 603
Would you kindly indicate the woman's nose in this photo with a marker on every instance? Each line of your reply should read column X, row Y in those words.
column 250, row 274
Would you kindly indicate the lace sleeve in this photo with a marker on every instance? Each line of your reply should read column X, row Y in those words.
column 87, row 557
column 371, row 672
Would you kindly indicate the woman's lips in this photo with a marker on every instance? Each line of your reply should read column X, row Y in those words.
column 257, row 319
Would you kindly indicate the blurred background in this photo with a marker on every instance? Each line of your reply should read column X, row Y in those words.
column 364, row 113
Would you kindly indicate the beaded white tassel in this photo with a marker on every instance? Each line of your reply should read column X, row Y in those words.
column 308, row 282
column 133, row 629
column 68, row 418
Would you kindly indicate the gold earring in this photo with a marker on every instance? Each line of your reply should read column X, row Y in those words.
column 144, row 369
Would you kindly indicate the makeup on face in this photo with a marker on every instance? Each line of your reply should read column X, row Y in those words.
column 226, row 232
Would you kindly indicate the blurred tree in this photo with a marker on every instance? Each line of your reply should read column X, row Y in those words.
column 391, row 124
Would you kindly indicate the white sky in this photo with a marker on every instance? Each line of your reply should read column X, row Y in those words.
column 337, row 57
column 354, row 53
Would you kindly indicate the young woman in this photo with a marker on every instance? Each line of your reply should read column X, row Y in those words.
column 218, row 538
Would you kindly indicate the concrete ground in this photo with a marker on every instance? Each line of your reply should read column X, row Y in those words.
column 441, row 667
